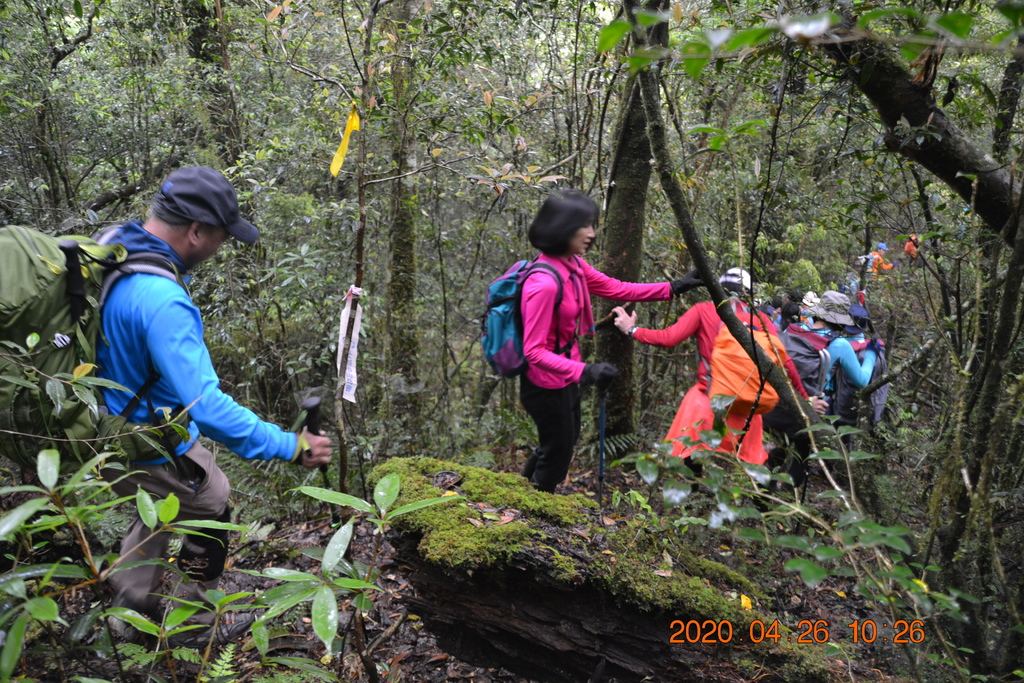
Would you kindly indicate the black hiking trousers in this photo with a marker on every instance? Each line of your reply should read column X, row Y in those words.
column 556, row 412
column 785, row 426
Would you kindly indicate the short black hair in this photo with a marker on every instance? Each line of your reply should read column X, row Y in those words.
column 559, row 217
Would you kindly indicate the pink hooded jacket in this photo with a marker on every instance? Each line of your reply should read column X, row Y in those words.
column 547, row 369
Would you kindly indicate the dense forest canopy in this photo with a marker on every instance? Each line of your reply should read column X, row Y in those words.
column 789, row 138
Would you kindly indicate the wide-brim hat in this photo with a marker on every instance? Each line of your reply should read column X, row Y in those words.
column 833, row 308
column 861, row 320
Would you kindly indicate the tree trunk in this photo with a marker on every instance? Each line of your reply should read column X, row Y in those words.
column 403, row 344
column 206, row 45
column 624, row 234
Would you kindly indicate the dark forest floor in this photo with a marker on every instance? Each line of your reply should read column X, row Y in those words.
column 404, row 650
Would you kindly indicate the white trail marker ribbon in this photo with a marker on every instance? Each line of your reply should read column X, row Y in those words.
column 351, row 376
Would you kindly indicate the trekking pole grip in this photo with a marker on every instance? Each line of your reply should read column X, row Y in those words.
column 311, row 406
column 75, row 283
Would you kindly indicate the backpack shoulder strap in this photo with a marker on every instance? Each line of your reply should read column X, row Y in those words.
column 139, row 262
column 536, row 266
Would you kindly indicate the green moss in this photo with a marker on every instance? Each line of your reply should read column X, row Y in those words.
column 449, row 538
column 626, row 569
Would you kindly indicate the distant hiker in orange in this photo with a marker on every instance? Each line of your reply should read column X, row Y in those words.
column 911, row 249
column 878, row 263
column 695, row 413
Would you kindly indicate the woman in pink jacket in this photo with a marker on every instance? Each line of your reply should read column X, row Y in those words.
column 563, row 230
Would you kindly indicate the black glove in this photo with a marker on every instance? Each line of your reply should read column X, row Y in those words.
column 599, row 374
column 685, row 284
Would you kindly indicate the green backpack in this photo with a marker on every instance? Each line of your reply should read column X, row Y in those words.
column 51, row 290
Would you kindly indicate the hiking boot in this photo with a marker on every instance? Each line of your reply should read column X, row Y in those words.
column 230, row 627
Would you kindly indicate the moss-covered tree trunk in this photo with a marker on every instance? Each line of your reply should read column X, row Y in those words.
column 403, row 343
column 623, row 235
column 207, row 45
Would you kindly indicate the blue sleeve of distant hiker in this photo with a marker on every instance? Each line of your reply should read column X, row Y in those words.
column 858, row 372
column 179, row 354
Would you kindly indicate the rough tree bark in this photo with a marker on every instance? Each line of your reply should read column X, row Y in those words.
column 403, row 344
column 623, row 236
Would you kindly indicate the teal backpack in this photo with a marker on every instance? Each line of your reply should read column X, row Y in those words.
column 50, row 295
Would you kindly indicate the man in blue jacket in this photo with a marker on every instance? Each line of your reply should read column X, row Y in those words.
column 153, row 345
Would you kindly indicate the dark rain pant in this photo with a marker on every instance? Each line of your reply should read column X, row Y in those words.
column 556, row 412
column 786, row 426
column 202, row 490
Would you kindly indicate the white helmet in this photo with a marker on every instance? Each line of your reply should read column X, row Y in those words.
column 737, row 276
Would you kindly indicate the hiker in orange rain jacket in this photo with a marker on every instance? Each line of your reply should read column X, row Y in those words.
column 695, row 414
column 878, row 263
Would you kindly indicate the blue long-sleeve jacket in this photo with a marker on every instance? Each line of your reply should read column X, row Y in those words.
column 859, row 372
column 150, row 321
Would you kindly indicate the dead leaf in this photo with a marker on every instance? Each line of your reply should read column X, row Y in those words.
column 608, row 521
column 474, row 522
column 667, row 573
column 746, row 602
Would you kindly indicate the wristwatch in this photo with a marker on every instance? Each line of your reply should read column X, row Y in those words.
column 631, row 330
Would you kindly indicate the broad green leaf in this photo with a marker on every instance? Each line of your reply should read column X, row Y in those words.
column 31, row 341
column 100, row 382
column 796, row 542
column 178, row 615
column 86, row 679
column 329, row 496
column 302, row 664
column 132, row 617
column 826, row 454
column 818, row 427
column 811, row 573
column 147, row 510
column 43, row 609
column 386, row 491
column 1014, row 13
column 956, row 23
column 695, row 57
column 707, row 129
column 261, row 637
column 354, row 584
column 827, row 552
column 611, row 35
column 287, row 574
column 11, row 379
column 420, row 504
column 325, row 615
column 862, row 455
column 169, row 507
column 286, row 603
column 649, row 18
column 850, row 517
column 846, row 429
column 336, row 547
column 16, row 517
column 648, row 471
column 55, row 390
column 750, row 37
column 876, row 14
column 363, row 602
column 48, row 467
column 78, row 9
column 11, row 653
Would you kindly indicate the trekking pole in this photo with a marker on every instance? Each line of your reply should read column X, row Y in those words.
column 311, row 407
column 600, row 453
column 75, row 286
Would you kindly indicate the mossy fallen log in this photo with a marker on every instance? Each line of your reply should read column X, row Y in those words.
column 538, row 585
